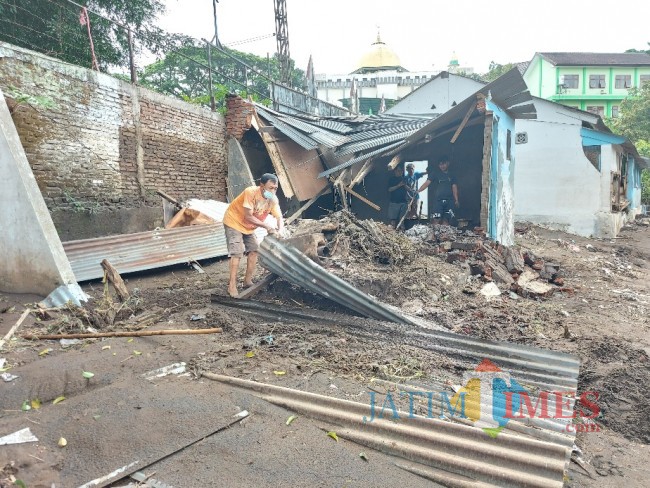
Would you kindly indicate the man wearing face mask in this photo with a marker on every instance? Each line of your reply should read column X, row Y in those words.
column 246, row 213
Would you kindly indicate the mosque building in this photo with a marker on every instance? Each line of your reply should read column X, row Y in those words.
column 380, row 81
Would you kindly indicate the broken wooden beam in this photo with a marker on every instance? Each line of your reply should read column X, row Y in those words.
column 361, row 197
column 309, row 203
column 139, row 333
column 13, row 330
column 171, row 200
column 462, row 124
column 257, row 287
column 116, row 280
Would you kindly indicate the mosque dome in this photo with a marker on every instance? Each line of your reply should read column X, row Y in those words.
column 379, row 58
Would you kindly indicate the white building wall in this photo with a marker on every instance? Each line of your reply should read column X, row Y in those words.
column 555, row 183
column 441, row 92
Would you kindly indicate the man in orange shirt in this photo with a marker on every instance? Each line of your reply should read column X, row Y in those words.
column 246, row 213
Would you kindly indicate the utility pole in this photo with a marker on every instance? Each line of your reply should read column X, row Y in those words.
column 216, row 34
column 282, row 39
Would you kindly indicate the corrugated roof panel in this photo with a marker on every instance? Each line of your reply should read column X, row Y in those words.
column 145, row 250
column 322, row 136
column 373, row 143
column 301, row 139
column 291, row 264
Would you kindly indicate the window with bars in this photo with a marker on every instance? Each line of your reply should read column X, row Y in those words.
column 614, row 111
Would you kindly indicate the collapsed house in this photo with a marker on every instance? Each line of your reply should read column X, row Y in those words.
column 307, row 151
column 572, row 172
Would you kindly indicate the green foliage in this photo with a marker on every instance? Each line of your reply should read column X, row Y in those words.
column 647, row 51
column 184, row 73
column 496, row 70
column 53, row 27
column 634, row 115
column 645, row 187
column 20, row 99
column 633, row 122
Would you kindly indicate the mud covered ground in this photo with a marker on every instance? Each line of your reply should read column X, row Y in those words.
column 603, row 319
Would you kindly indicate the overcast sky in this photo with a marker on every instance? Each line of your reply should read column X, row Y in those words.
column 423, row 33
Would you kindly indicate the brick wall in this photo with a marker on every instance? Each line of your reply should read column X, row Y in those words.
column 239, row 116
column 98, row 145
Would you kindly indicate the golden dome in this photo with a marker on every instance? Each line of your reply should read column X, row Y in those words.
column 379, row 57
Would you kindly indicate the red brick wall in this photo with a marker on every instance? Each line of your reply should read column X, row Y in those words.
column 98, row 144
column 239, row 116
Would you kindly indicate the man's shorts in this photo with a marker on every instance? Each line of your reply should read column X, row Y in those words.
column 239, row 243
column 396, row 210
column 443, row 209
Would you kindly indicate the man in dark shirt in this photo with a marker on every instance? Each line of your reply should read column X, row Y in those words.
column 446, row 192
column 397, row 191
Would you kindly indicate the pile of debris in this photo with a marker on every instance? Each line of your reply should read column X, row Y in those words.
column 519, row 270
column 425, row 261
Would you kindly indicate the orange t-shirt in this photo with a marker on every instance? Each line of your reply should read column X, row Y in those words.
column 251, row 198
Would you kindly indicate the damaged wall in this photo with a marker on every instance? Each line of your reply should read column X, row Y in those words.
column 556, row 184
column 100, row 147
column 502, row 167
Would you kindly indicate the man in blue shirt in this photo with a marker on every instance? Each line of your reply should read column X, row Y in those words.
column 411, row 179
column 446, row 192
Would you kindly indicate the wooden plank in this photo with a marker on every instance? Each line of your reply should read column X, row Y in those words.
column 309, row 203
column 367, row 167
column 360, row 197
column 257, row 287
column 462, row 124
column 11, row 332
column 274, row 153
column 171, row 200
column 117, row 281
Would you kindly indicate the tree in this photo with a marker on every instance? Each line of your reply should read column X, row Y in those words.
column 183, row 73
column 56, row 28
column 647, row 51
column 496, row 70
column 633, row 122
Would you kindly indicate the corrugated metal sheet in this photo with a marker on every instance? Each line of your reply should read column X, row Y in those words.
column 320, row 135
column 294, row 134
column 292, row 265
column 374, row 142
column 457, row 449
column 145, row 250
column 363, row 157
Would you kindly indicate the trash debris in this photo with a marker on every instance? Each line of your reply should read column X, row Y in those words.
column 19, row 437
column 196, row 317
column 7, row 377
column 176, row 368
column 333, row 435
column 62, row 442
column 490, row 290
column 65, row 343
column 87, row 374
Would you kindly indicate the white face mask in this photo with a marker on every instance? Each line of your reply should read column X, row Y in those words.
column 268, row 194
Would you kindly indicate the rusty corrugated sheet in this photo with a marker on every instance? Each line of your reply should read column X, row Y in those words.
column 145, row 250
column 461, row 455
